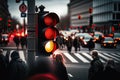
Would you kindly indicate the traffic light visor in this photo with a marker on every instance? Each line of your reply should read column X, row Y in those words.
column 51, row 19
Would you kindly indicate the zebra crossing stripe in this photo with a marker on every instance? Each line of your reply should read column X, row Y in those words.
column 81, row 58
column 101, row 55
column 111, row 57
column 4, row 53
column 115, row 55
column 70, row 58
column 89, row 56
column 22, row 56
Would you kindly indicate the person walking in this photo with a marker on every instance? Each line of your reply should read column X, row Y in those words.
column 69, row 44
column 76, row 43
column 16, row 39
column 3, row 66
column 91, row 44
column 17, row 68
column 23, row 41
column 96, row 67
column 110, row 73
column 59, row 68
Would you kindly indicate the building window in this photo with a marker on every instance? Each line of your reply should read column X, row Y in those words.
column 115, row 7
column 119, row 7
column 113, row 16
column 117, row 15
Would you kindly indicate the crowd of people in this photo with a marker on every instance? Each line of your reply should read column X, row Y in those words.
column 44, row 68
column 76, row 43
column 54, row 68
column 100, row 71
column 20, row 40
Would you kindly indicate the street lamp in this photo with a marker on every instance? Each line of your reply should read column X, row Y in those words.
column 17, row 26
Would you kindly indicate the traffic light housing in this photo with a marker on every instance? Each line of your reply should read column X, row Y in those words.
column 9, row 22
column 47, row 32
column 17, row 1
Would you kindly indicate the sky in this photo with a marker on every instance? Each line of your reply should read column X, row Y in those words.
column 57, row 6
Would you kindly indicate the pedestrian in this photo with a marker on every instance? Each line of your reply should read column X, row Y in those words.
column 91, row 44
column 17, row 68
column 76, row 43
column 96, row 67
column 23, row 41
column 110, row 72
column 16, row 39
column 59, row 67
column 3, row 66
column 69, row 44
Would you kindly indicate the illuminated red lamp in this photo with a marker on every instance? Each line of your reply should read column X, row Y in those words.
column 79, row 16
column 90, row 10
column 1, row 19
column 9, row 25
column 51, row 19
column 50, row 33
column 9, row 20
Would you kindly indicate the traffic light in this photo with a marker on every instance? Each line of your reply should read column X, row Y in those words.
column 47, row 33
column 17, row 1
column 9, row 22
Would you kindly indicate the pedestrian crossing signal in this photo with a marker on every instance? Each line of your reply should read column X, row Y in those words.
column 47, row 32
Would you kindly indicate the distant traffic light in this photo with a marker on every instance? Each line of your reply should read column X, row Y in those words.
column 9, row 22
column 47, row 33
column 17, row 1
column 1, row 18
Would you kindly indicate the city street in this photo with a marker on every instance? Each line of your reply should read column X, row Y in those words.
column 85, row 32
column 77, row 63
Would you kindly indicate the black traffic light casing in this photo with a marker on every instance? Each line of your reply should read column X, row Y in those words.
column 46, row 33
column 17, row 1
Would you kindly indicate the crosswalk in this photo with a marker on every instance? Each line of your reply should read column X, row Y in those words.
column 79, row 57
column 85, row 57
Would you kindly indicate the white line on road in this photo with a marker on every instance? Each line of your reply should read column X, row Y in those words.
column 70, row 75
column 70, row 58
column 81, row 58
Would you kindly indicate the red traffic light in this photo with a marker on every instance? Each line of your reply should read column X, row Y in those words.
column 51, row 19
column 50, row 33
column 17, row 1
column 90, row 10
column 1, row 19
column 79, row 16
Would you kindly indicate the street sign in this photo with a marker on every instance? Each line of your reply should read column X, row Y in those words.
column 23, row 14
column 23, row 7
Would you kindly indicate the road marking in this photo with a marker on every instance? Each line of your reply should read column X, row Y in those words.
column 87, row 55
column 22, row 56
column 111, row 57
column 115, row 55
column 81, row 58
column 70, row 58
column 70, row 75
column 101, row 55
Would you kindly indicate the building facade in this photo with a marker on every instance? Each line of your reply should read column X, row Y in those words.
column 4, row 15
column 79, row 13
column 105, row 15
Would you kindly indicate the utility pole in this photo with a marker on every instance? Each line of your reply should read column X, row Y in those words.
column 31, row 33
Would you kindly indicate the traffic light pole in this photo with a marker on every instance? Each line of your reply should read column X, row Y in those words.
column 31, row 33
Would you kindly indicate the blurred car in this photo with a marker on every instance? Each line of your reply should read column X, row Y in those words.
column 84, row 38
column 97, row 36
column 116, row 37
column 5, row 38
column 108, row 42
